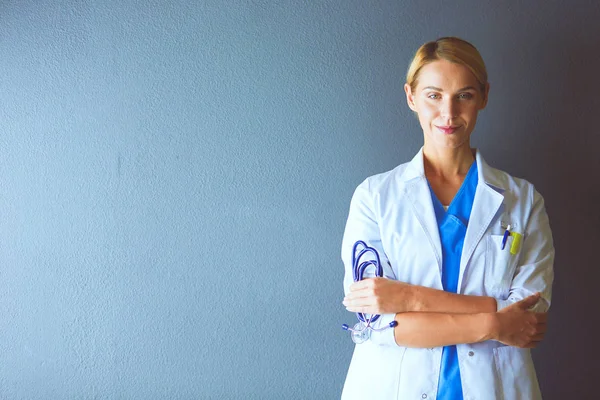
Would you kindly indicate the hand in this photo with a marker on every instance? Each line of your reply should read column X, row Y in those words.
column 516, row 326
column 379, row 296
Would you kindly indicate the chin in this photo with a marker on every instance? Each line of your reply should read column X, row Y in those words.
column 447, row 141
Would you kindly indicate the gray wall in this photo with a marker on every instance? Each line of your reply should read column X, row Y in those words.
column 175, row 177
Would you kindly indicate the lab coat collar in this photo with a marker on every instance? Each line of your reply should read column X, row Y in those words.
column 487, row 202
column 487, row 174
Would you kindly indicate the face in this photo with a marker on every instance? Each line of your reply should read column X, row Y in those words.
column 447, row 100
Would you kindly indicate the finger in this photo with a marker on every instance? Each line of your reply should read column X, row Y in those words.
column 541, row 325
column 364, row 310
column 542, row 318
column 361, row 294
column 538, row 338
column 358, row 302
column 361, row 285
column 530, row 345
column 529, row 301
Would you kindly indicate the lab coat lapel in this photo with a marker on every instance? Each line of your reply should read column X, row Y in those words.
column 418, row 194
column 486, row 204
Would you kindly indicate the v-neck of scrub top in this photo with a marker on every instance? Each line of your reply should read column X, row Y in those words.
column 459, row 208
column 452, row 225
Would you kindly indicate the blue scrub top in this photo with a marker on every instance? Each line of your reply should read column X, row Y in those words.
column 452, row 225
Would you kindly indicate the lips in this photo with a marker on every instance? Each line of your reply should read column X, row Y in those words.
column 447, row 129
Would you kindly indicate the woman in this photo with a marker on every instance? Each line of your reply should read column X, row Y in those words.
column 466, row 250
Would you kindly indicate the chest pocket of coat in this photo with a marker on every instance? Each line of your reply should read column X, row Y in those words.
column 499, row 266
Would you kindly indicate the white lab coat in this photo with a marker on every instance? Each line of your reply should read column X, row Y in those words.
column 393, row 212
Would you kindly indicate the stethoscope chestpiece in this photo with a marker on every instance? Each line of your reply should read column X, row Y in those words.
column 360, row 333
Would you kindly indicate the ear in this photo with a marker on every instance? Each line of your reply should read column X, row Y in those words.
column 485, row 96
column 410, row 98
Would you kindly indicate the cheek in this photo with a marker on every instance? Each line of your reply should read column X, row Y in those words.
column 427, row 111
column 470, row 114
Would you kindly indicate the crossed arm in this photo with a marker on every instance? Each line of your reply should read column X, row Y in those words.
column 430, row 318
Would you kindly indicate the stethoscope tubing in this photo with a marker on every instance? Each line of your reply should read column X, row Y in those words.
column 363, row 327
column 359, row 271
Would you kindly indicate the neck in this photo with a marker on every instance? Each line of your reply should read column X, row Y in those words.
column 448, row 162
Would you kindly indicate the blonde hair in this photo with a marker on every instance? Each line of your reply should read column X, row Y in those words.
column 451, row 49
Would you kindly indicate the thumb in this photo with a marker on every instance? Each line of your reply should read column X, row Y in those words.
column 529, row 301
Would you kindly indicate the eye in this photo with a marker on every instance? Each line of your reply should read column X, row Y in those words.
column 433, row 96
column 465, row 96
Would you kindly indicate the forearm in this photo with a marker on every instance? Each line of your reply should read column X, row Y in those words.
column 426, row 329
column 388, row 296
column 426, row 299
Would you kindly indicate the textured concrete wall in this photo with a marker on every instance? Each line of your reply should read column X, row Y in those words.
column 175, row 177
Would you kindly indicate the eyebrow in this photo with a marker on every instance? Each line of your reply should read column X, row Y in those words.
column 437, row 89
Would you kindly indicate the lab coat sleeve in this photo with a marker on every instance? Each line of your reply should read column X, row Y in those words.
column 535, row 269
column 363, row 224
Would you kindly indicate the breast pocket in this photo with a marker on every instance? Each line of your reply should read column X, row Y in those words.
column 499, row 266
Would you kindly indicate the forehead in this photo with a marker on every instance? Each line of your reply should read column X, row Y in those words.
column 446, row 75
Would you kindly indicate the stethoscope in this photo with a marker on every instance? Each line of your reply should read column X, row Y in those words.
column 361, row 331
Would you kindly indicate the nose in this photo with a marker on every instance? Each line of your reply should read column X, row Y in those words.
column 449, row 108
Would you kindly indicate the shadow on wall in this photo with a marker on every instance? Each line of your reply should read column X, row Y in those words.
column 568, row 163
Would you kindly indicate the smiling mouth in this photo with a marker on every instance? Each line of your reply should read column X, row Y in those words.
column 448, row 129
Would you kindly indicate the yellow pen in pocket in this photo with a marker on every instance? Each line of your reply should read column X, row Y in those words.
column 516, row 243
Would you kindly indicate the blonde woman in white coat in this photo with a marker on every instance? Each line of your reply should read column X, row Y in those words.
column 471, row 339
